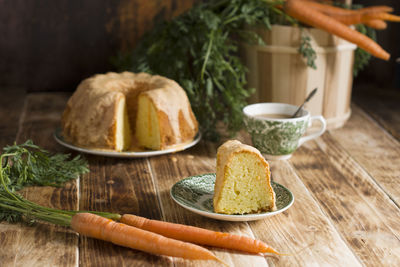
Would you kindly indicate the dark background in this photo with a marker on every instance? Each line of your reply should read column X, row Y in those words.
column 51, row 45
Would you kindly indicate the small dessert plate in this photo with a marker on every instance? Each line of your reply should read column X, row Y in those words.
column 124, row 154
column 195, row 193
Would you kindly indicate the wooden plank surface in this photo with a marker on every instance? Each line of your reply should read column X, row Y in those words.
column 120, row 186
column 382, row 105
column 11, row 107
column 168, row 170
column 56, row 44
column 346, row 209
column 374, row 149
column 304, row 230
column 358, row 207
column 42, row 244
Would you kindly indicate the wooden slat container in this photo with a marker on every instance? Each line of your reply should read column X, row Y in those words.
column 280, row 74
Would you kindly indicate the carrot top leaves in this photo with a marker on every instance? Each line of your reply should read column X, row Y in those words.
column 28, row 165
column 198, row 49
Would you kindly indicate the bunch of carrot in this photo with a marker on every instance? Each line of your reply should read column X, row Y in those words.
column 152, row 236
column 163, row 238
column 336, row 20
column 156, row 237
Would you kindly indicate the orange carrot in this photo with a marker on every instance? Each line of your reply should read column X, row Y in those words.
column 92, row 225
column 334, row 10
column 199, row 235
column 348, row 16
column 376, row 24
column 300, row 10
column 351, row 19
column 328, row 9
column 381, row 16
column 348, row 19
column 375, row 9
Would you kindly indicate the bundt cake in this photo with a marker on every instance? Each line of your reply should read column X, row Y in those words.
column 119, row 111
column 242, row 181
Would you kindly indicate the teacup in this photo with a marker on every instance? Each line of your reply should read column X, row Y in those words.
column 277, row 137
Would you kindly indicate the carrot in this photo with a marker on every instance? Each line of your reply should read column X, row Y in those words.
column 300, row 10
column 333, row 10
column 328, row 9
column 348, row 16
column 375, row 9
column 376, row 24
column 199, row 235
column 382, row 16
column 351, row 19
column 95, row 226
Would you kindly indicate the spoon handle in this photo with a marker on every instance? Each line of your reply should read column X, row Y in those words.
column 312, row 93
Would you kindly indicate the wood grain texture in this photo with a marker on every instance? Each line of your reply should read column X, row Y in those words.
column 382, row 105
column 167, row 170
column 120, row 186
column 346, row 209
column 41, row 244
column 54, row 45
column 280, row 74
column 303, row 231
column 11, row 106
column 355, row 204
column 374, row 149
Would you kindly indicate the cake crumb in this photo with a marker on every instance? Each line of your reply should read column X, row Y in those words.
column 174, row 159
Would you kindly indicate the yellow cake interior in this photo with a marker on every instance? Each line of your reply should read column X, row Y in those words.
column 123, row 131
column 128, row 112
column 147, row 124
column 243, row 180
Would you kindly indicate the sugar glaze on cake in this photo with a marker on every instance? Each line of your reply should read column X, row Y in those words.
column 242, row 180
column 116, row 110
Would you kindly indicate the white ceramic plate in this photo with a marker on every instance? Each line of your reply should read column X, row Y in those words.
column 124, row 154
column 195, row 193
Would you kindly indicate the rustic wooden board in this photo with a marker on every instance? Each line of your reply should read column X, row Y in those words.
column 358, row 208
column 54, row 45
column 374, row 149
column 42, row 244
column 11, row 106
column 120, row 186
column 197, row 160
column 304, row 230
column 382, row 105
column 346, row 209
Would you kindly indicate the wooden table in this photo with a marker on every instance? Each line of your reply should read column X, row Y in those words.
column 345, row 183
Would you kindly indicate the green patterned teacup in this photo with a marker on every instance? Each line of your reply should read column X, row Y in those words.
column 278, row 138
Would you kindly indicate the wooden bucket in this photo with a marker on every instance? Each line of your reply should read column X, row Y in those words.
column 280, row 74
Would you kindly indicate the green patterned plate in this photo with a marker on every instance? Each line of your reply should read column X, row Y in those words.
column 195, row 193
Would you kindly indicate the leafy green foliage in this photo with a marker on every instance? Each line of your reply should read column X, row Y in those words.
column 27, row 165
column 307, row 51
column 199, row 50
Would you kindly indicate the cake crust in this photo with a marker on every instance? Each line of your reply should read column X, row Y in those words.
column 90, row 117
column 225, row 155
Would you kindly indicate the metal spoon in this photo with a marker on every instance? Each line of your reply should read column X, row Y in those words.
column 310, row 95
